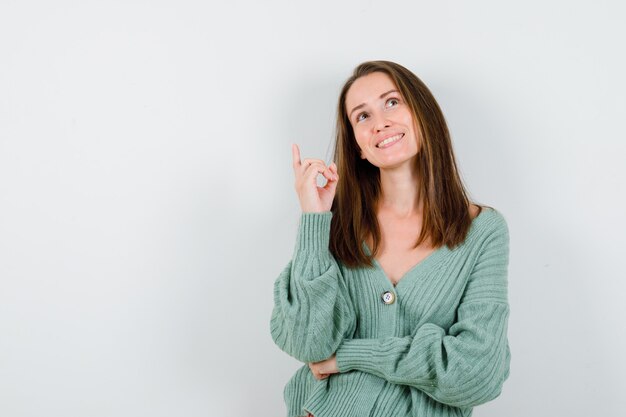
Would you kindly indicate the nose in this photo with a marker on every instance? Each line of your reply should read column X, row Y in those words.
column 380, row 122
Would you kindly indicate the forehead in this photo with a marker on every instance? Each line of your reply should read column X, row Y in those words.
column 368, row 88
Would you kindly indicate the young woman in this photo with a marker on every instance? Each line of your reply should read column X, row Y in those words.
column 396, row 295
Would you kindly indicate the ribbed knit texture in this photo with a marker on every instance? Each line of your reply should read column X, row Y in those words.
column 438, row 350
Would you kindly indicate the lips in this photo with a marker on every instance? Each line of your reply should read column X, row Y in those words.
column 389, row 140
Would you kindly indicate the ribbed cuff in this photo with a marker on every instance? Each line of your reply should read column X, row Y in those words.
column 356, row 354
column 314, row 232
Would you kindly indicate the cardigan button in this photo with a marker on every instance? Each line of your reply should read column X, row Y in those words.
column 388, row 297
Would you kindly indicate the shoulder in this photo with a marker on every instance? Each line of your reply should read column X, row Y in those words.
column 490, row 223
column 475, row 210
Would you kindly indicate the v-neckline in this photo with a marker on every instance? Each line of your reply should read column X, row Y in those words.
column 418, row 266
column 424, row 263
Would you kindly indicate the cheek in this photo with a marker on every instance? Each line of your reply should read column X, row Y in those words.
column 407, row 119
column 360, row 137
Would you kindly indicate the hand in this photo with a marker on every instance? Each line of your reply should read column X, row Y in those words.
column 325, row 368
column 314, row 199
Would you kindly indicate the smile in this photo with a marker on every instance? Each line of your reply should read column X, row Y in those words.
column 389, row 141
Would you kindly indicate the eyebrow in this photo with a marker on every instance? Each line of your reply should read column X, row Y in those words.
column 363, row 104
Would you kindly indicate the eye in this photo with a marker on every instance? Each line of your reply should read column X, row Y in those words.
column 392, row 102
column 360, row 117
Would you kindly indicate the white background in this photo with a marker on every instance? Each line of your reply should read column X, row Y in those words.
column 147, row 201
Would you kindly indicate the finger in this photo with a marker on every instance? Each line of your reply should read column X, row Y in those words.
column 330, row 177
column 308, row 161
column 311, row 173
column 295, row 153
column 313, row 170
column 332, row 170
column 331, row 186
column 330, row 174
column 316, row 371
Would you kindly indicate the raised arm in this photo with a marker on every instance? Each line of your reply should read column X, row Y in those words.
column 312, row 311
column 467, row 365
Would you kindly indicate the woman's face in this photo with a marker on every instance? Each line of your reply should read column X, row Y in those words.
column 382, row 121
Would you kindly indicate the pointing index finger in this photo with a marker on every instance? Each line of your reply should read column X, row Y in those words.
column 295, row 151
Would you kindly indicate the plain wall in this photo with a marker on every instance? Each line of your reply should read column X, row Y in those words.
column 147, row 201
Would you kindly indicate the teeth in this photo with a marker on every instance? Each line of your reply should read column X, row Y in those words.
column 389, row 140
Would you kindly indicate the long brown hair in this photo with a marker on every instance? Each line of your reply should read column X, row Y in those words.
column 446, row 217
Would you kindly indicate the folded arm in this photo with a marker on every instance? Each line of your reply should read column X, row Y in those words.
column 463, row 367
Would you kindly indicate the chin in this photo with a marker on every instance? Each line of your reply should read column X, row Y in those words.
column 393, row 163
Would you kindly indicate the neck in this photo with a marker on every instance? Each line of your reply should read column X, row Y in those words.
column 399, row 191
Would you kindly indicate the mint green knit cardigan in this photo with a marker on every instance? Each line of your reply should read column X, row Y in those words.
column 440, row 349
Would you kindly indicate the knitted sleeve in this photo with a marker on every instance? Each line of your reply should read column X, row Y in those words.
column 312, row 311
column 464, row 367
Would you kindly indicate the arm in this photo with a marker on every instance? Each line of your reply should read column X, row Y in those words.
column 468, row 365
column 312, row 310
